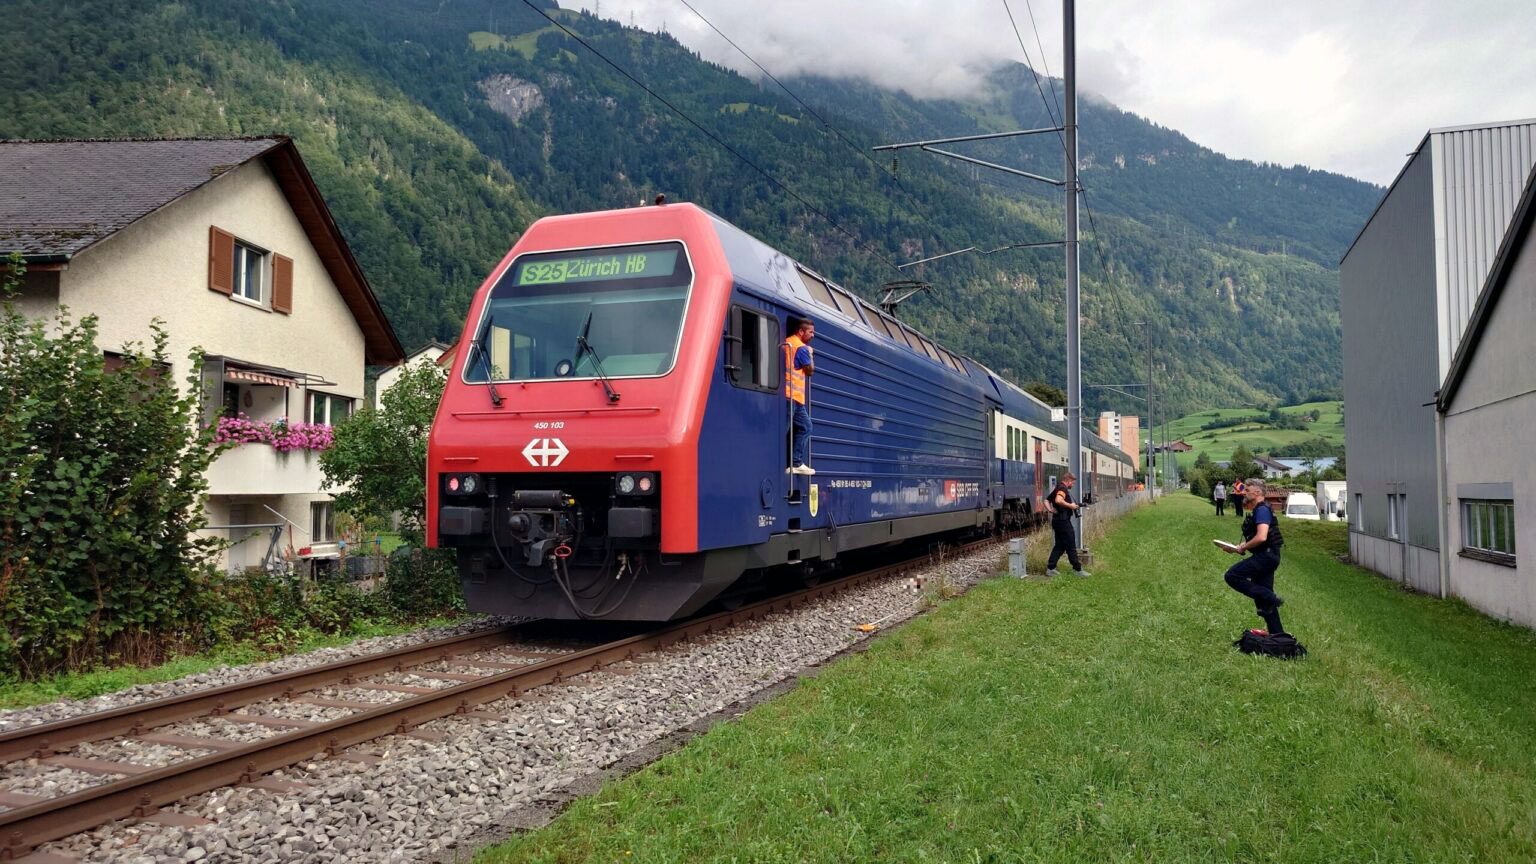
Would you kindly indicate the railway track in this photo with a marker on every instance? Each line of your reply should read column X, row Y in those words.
column 138, row 791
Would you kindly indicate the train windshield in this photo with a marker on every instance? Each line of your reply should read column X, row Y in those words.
column 627, row 302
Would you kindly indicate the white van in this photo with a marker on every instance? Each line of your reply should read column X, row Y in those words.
column 1330, row 499
column 1301, row 505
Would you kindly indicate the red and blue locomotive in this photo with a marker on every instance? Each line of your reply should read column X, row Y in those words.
column 614, row 436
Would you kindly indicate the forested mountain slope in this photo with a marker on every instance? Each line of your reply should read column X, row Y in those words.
column 439, row 128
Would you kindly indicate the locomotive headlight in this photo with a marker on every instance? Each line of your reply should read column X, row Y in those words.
column 462, row 484
column 626, row 484
column 646, row 484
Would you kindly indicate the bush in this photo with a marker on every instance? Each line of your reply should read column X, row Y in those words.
column 422, row 583
column 1199, row 483
column 101, row 500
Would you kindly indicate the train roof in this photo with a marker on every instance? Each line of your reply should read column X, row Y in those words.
column 765, row 270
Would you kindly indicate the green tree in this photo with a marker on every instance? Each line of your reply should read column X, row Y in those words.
column 101, row 499
column 378, row 464
column 1242, row 465
column 1203, row 461
column 1050, row 394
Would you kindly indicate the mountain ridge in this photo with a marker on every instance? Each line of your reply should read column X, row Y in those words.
column 431, row 183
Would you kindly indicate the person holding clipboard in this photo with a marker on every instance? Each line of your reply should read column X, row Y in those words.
column 1254, row 576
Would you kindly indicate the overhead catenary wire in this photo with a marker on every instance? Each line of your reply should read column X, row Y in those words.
column 1055, row 114
column 912, row 198
column 785, row 187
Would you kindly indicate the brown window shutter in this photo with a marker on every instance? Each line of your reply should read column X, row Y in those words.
column 282, row 284
column 221, row 260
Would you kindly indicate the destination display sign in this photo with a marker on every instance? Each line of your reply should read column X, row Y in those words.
column 598, row 268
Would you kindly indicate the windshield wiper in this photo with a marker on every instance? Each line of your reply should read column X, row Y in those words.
column 478, row 346
column 597, row 364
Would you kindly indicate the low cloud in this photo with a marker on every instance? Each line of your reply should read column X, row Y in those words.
column 1348, row 87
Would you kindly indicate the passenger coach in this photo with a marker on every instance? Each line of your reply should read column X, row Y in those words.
column 614, row 436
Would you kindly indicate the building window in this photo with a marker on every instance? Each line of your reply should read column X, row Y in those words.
column 327, row 409
column 322, row 522
column 1357, row 515
column 249, row 273
column 1488, row 529
column 1397, row 519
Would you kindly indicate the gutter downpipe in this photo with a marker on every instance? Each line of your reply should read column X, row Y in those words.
column 1444, row 501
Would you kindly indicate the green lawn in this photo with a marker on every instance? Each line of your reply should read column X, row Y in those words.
column 1110, row 720
column 1258, row 437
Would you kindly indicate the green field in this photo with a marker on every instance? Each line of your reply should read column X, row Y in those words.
column 1259, row 436
column 1109, row 720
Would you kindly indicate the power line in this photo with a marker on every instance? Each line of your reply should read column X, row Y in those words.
column 1098, row 243
column 715, row 138
column 833, row 129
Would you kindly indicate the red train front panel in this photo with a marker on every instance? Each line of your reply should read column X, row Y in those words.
column 563, row 462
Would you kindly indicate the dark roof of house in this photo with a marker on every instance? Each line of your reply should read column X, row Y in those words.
column 1520, row 227
column 1271, row 463
column 60, row 198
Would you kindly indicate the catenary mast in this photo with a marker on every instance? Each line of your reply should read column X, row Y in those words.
column 1074, row 341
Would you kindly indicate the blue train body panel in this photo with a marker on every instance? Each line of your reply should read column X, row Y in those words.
column 896, row 432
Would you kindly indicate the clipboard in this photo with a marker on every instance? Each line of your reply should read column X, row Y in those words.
column 1225, row 546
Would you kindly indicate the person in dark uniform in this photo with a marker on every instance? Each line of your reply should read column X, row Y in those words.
column 1254, row 576
column 1063, row 508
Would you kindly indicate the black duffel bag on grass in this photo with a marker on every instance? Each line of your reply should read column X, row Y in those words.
column 1282, row 645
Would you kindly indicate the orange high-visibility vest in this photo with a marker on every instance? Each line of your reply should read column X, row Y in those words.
column 794, row 379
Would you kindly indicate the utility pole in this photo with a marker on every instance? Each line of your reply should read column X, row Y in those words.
column 1151, row 427
column 1074, row 345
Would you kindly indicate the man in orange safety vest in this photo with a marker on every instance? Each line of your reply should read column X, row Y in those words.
column 798, row 366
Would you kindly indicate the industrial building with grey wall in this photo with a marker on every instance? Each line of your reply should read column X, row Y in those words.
column 1410, row 285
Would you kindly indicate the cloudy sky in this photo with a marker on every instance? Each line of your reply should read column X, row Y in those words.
column 1346, row 85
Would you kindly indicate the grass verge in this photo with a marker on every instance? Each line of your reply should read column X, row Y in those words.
column 94, row 682
column 1109, row 719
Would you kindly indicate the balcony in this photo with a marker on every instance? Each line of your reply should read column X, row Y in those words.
column 258, row 469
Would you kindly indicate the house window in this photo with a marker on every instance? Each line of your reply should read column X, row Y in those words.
column 250, row 273
column 322, row 522
column 327, row 409
column 1357, row 515
column 1488, row 529
column 754, row 354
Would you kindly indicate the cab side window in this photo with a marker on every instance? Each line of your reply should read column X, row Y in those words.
column 754, row 357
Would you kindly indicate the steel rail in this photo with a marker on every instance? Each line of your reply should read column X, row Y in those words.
column 140, row 795
column 45, row 739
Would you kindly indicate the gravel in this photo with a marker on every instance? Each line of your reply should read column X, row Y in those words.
column 428, row 796
column 31, row 777
column 218, row 677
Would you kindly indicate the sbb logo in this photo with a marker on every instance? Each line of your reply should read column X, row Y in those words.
column 545, row 452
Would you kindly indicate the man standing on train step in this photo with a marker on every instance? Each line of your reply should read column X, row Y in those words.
column 799, row 365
